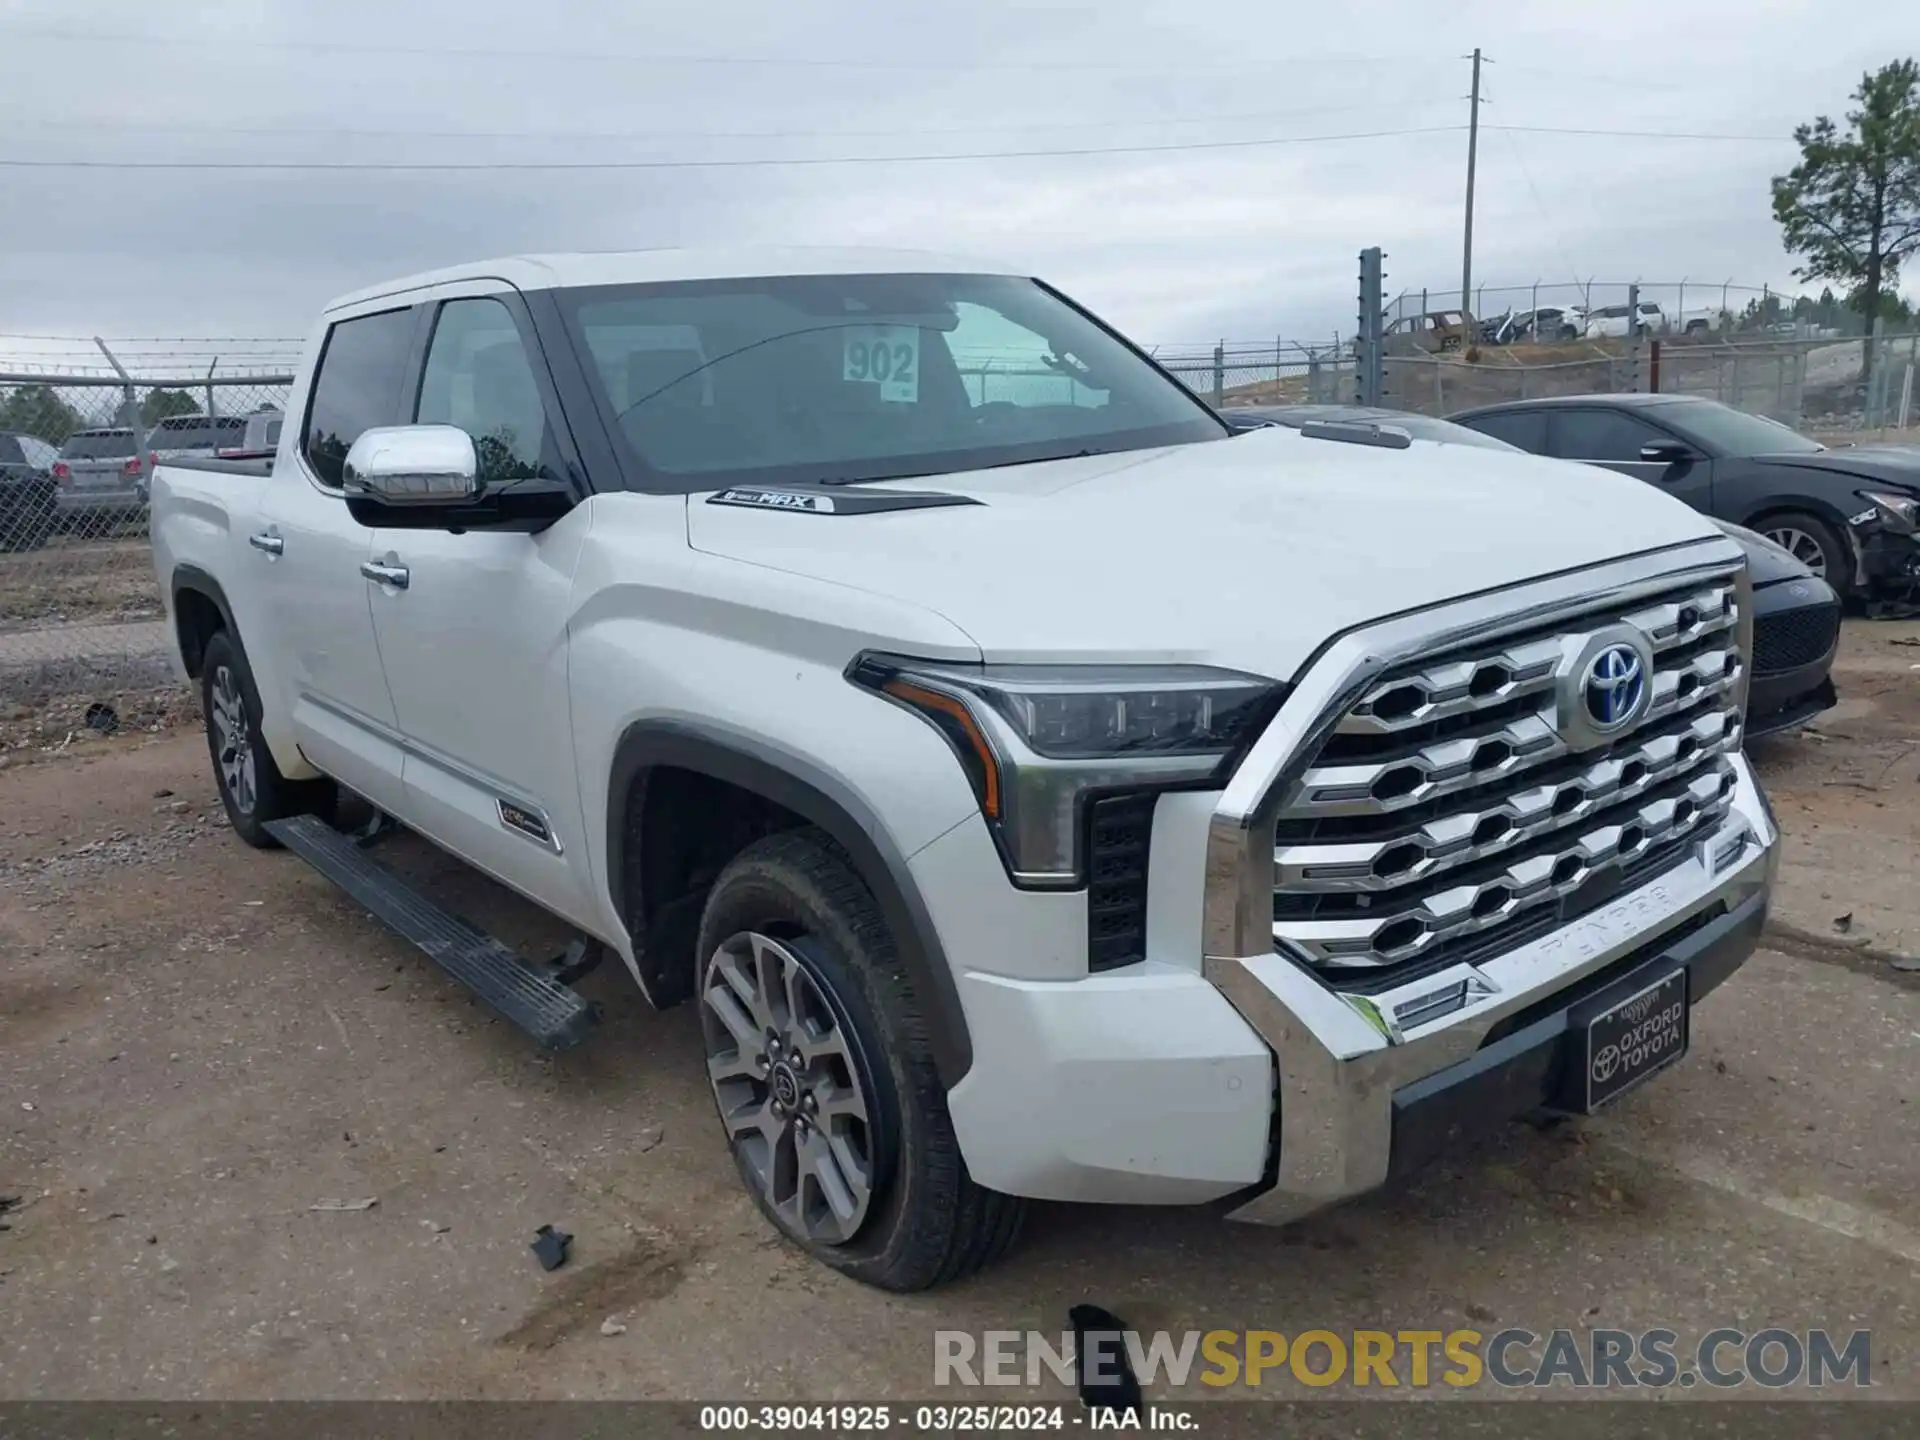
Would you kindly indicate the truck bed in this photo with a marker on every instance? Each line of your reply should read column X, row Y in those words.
column 252, row 462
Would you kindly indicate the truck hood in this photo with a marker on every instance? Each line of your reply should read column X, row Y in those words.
column 1248, row 552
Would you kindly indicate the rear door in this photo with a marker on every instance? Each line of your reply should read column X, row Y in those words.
column 306, row 559
column 1613, row 438
column 475, row 640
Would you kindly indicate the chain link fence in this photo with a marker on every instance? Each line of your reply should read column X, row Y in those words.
column 1819, row 385
column 1571, row 310
column 82, row 645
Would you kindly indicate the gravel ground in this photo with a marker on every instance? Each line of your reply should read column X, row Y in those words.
column 200, row 1043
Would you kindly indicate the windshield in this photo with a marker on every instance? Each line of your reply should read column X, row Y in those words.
column 1734, row 432
column 841, row 378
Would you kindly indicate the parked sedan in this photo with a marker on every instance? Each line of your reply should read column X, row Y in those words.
column 1851, row 515
column 26, row 491
column 1796, row 615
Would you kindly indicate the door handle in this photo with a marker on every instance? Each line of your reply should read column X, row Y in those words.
column 267, row 542
column 385, row 573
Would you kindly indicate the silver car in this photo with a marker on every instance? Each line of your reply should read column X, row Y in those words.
column 98, row 474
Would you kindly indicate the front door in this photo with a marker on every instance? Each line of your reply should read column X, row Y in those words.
column 1613, row 438
column 326, row 667
column 473, row 637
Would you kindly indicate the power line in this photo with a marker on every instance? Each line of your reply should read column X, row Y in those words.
column 204, row 43
column 1133, row 121
column 762, row 161
column 1638, row 134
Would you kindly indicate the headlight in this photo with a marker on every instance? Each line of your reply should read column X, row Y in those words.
column 1036, row 740
column 1902, row 512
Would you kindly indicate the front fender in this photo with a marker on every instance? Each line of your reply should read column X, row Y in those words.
column 797, row 783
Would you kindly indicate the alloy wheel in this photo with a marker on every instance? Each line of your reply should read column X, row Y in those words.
column 233, row 740
column 790, row 1086
column 1803, row 547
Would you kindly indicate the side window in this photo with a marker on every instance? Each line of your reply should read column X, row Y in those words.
column 1525, row 428
column 1001, row 362
column 1602, row 435
column 358, row 387
column 478, row 377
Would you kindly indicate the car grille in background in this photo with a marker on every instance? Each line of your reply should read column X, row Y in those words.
column 1119, row 827
column 1444, row 818
column 1788, row 639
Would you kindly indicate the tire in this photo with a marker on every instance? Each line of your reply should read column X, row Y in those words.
column 251, row 785
column 1814, row 542
column 790, row 908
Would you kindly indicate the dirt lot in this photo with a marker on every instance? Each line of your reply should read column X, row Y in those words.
column 101, row 581
column 199, row 1043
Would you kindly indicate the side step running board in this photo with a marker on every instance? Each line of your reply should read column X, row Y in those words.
column 547, row 1009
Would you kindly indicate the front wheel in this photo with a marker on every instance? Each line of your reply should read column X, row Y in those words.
column 1814, row 543
column 251, row 786
column 822, row 1072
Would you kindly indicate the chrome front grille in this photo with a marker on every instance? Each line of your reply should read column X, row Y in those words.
column 1454, row 806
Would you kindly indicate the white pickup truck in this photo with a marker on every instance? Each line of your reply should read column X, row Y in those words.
column 1039, row 791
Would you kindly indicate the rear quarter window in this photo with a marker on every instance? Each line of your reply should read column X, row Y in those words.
column 356, row 388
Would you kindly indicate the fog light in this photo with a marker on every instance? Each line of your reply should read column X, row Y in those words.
column 1729, row 849
column 1425, row 1008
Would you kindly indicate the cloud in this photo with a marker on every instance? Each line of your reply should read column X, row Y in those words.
column 1175, row 247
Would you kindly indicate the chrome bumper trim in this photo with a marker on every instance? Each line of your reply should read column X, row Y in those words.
column 1338, row 1071
column 1340, row 1058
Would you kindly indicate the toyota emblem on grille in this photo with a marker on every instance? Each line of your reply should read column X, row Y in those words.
column 1604, row 685
column 1615, row 687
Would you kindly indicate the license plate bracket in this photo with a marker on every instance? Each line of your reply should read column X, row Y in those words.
column 1632, row 1039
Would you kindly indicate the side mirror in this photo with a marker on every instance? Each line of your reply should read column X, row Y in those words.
column 413, row 465
column 1665, row 452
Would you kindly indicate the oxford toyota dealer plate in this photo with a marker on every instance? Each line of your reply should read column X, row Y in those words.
column 1636, row 1038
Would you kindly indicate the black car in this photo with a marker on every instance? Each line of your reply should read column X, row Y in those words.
column 27, row 491
column 1850, row 514
column 1796, row 625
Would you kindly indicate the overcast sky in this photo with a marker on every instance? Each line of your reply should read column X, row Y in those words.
column 1175, row 246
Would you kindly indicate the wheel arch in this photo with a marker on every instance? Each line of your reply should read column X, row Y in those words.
column 1799, row 502
column 816, row 797
column 200, row 609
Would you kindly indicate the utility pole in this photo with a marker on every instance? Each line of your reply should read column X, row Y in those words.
column 1473, row 155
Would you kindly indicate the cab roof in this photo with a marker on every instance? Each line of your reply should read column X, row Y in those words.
column 636, row 267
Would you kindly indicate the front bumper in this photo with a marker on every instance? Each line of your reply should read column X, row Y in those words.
column 1780, row 702
column 1889, row 562
column 1531, row 1058
column 1342, row 1058
column 1360, row 1099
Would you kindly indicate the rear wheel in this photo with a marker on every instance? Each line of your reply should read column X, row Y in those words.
column 1814, row 543
column 822, row 1072
column 251, row 786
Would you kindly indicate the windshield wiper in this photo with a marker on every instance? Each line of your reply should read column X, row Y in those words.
column 1042, row 459
column 924, row 474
